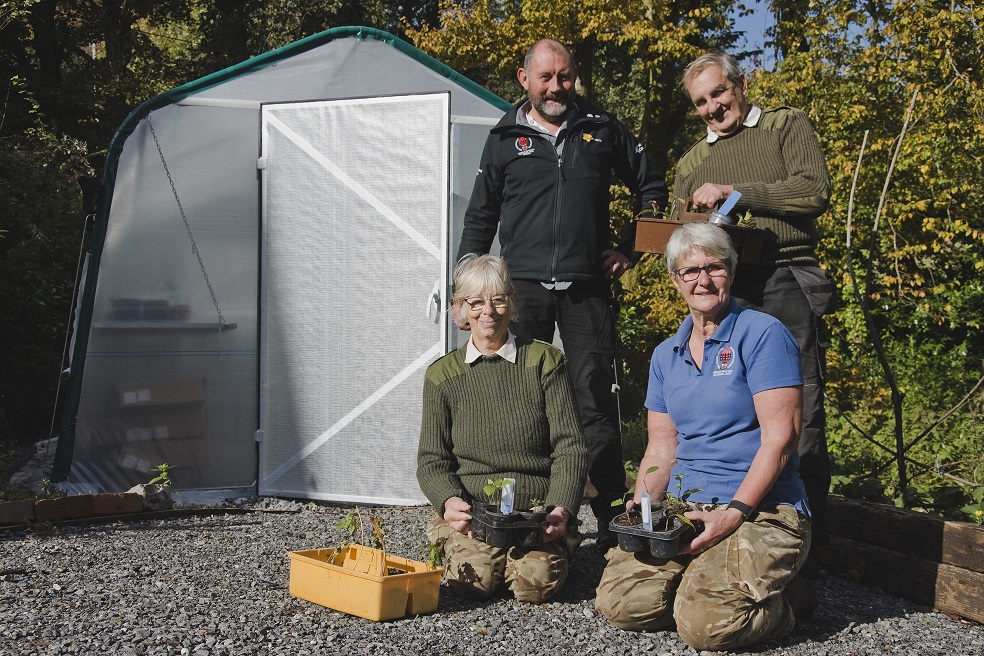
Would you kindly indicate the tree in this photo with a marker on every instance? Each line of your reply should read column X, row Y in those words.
column 629, row 54
column 918, row 266
column 39, row 247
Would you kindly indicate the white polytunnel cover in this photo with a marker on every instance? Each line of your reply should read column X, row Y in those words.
column 268, row 275
column 351, row 291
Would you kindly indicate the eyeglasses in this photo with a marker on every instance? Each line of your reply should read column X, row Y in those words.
column 714, row 270
column 478, row 303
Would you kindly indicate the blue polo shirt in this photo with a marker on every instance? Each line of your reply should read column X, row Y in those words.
column 718, row 432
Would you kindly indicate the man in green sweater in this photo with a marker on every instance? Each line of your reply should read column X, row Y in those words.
column 773, row 159
column 501, row 406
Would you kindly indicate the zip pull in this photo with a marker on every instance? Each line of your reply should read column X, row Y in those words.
column 560, row 167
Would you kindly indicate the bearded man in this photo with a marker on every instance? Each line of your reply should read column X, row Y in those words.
column 543, row 186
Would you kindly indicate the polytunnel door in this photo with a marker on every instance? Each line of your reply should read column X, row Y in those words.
column 355, row 198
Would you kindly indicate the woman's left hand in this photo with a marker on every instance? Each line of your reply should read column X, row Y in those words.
column 556, row 527
column 718, row 524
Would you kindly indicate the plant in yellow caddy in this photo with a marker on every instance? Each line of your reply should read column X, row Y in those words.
column 361, row 578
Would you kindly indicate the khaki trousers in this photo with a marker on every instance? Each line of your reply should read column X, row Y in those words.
column 727, row 597
column 474, row 569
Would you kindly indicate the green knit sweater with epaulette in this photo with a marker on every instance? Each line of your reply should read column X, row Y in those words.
column 493, row 419
column 780, row 170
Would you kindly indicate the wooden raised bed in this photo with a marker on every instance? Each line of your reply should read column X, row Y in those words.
column 917, row 556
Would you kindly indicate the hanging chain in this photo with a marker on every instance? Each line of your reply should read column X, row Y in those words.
column 194, row 246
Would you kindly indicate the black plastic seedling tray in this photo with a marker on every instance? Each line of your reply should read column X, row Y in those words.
column 517, row 529
column 661, row 544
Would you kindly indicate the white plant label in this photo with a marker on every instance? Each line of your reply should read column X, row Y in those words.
column 647, row 511
column 508, row 495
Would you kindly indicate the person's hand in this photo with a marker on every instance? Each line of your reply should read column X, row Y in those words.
column 718, row 524
column 614, row 264
column 458, row 316
column 556, row 527
column 456, row 515
column 711, row 195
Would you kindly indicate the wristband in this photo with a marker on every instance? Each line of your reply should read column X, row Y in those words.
column 743, row 508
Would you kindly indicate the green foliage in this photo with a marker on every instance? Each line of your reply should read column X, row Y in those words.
column 674, row 503
column 349, row 524
column 629, row 494
column 493, row 489
column 631, row 469
column 433, row 555
column 916, row 254
column 163, row 477
column 650, row 311
column 49, row 490
column 680, row 494
column 42, row 528
column 9, row 463
column 39, row 247
column 629, row 54
column 352, row 523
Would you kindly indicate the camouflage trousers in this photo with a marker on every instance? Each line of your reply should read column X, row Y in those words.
column 727, row 597
column 475, row 569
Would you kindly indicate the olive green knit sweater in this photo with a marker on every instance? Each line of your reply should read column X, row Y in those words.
column 495, row 419
column 781, row 173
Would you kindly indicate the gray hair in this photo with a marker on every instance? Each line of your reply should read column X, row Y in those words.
column 475, row 275
column 707, row 238
column 728, row 65
column 552, row 44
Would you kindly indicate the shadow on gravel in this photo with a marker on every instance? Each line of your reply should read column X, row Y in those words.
column 584, row 575
column 843, row 608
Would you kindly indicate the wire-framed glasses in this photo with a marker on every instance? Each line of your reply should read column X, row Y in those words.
column 476, row 303
column 714, row 270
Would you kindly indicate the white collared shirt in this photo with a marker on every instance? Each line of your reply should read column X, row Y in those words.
column 754, row 114
column 507, row 351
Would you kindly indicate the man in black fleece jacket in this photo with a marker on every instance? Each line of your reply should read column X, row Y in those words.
column 543, row 185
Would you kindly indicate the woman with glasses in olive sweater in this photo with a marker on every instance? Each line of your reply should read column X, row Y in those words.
column 500, row 407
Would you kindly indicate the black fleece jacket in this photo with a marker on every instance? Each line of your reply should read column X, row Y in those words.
column 552, row 212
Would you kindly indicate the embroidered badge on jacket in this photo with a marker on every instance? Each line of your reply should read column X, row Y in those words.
column 524, row 146
column 723, row 361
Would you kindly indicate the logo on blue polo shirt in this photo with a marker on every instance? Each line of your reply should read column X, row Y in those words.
column 723, row 361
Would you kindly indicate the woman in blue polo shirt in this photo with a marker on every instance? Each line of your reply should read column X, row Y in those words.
column 724, row 401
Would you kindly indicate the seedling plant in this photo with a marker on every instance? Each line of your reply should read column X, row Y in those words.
column 163, row 477
column 350, row 524
column 493, row 489
column 673, row 505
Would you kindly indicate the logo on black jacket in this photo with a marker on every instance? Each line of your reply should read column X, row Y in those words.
column 524, row 146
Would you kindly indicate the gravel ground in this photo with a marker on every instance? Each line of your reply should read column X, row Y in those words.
column 217, row 584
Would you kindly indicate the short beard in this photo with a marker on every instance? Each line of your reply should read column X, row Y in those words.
column 540, row 105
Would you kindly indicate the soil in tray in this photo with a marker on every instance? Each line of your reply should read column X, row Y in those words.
column 669, row 532
column 661, row 522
